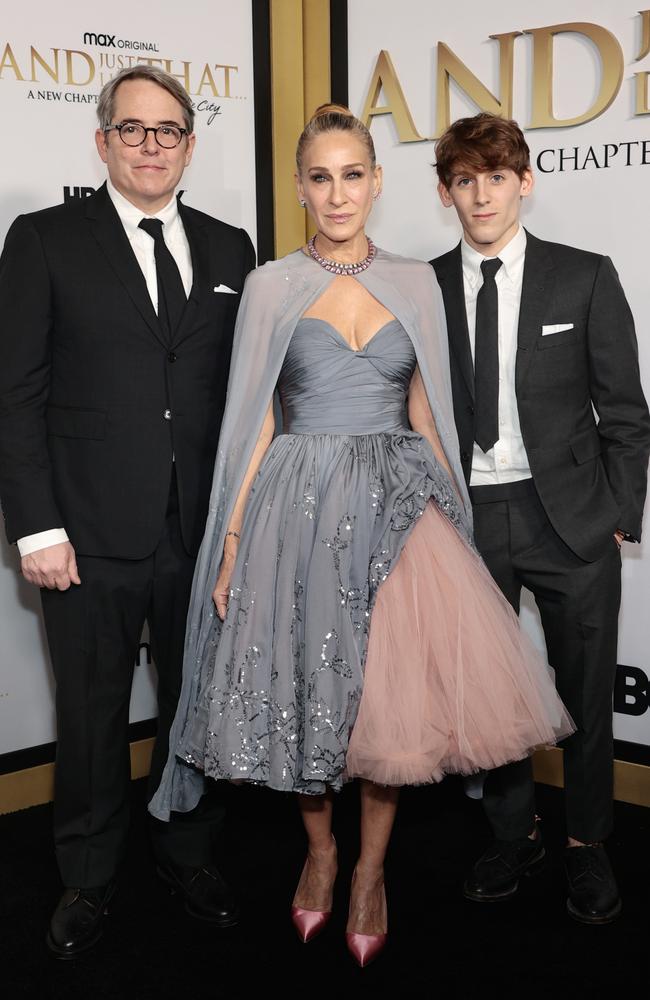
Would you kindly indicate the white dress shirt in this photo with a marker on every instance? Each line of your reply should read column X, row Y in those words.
column 142, row 245
column 507, row 461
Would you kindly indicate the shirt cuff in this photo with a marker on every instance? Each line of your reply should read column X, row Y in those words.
column 41, row 540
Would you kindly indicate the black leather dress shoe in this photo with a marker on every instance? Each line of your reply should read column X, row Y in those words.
column 76, row 924
column 207, row 896
column 593, row 893
column 496, row 874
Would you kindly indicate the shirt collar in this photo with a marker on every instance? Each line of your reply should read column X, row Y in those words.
column 131, row 216
column 511, row 256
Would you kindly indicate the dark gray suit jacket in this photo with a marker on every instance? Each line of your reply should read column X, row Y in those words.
column 590, row 472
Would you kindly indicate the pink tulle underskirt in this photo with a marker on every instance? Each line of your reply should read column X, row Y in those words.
column 452, row 684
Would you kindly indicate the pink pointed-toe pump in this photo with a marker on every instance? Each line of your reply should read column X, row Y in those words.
column 365, row 948
column 309, row 923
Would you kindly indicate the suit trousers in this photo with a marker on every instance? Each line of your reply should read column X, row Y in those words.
column 93, row 633
column 578, row 603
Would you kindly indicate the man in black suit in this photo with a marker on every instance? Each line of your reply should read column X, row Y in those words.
column 541, row 336
column 116, row 330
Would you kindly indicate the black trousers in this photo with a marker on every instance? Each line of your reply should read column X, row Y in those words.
column 578, row 604
column 93, row 633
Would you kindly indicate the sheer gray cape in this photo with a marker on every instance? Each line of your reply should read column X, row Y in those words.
column 275, row 297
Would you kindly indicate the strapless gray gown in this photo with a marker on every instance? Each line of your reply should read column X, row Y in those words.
column 330, row 511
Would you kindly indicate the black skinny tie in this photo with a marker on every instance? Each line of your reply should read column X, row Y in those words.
column 486, row 358
column 171, row 294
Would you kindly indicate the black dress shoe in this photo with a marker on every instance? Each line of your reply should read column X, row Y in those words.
column 593, row 893
column 76, row 924
column 496, row 874
column 207, row 896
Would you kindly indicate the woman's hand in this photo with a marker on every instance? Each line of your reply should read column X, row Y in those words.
column 221, row 592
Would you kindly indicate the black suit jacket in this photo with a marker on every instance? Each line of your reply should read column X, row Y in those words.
column 590, row 473
column 94, row 401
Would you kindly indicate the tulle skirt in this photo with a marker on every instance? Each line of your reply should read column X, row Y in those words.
column 452, row 684
column 364, row 635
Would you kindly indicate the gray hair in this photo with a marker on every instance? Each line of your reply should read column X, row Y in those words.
column 106, row 102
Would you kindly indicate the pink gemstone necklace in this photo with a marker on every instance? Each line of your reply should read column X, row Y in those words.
column 335, row 267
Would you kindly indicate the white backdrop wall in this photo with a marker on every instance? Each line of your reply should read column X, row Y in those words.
column 599, row 200
column 53, row 62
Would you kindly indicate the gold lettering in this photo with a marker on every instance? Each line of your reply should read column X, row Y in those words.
column 451, row 67
column 226, row 73
column 641, row 103
column 641, row 91
column 207, row 80
column 384, row 78
column 611, row 57
column 9, row 61
column 184, row 77
column 70, row 77
column 645, row 34
column 35, row 57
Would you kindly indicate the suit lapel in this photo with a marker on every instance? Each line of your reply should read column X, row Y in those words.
column 109, row 232
column 536, row 291
column 199, row 244
column 450, row 278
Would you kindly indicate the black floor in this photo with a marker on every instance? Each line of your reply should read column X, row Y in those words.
column 439, row 944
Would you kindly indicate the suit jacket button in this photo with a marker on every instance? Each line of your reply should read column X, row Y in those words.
column 470, row 410
column 464, row 456
column 171, row 357
column 167, row 414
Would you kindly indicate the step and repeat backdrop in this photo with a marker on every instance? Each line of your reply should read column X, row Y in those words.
column 574, row 73
column 54, row 60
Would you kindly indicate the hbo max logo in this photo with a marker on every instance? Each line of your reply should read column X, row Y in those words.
column 105, row 41
column 631, row 690
column 71, row 193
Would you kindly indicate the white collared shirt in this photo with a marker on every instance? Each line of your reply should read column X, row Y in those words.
column 142, row 243
column 143, row 247
column 507, row 461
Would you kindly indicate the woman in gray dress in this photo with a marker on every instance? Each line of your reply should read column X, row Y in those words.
column 356, row 513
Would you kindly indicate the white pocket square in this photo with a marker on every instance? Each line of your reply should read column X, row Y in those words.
column 224, row 288
column 557, row 328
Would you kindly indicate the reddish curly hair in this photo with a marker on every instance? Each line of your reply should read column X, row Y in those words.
column 483, row 142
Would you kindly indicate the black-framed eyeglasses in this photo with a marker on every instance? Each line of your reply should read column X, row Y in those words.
column 134, row 134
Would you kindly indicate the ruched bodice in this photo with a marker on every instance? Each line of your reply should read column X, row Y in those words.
column 328, row 388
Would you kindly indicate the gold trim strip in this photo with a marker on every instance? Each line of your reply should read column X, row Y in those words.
column 300, row 82
column 22, row 789
column 141, row 752
column 317, row 82
column 631, row 781
column 288, row 109
column 34, row 786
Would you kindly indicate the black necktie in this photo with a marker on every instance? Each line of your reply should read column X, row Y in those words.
column 486, row 358
column 171, row 294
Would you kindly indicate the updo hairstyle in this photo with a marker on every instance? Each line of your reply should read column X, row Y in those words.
column 334, row 118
